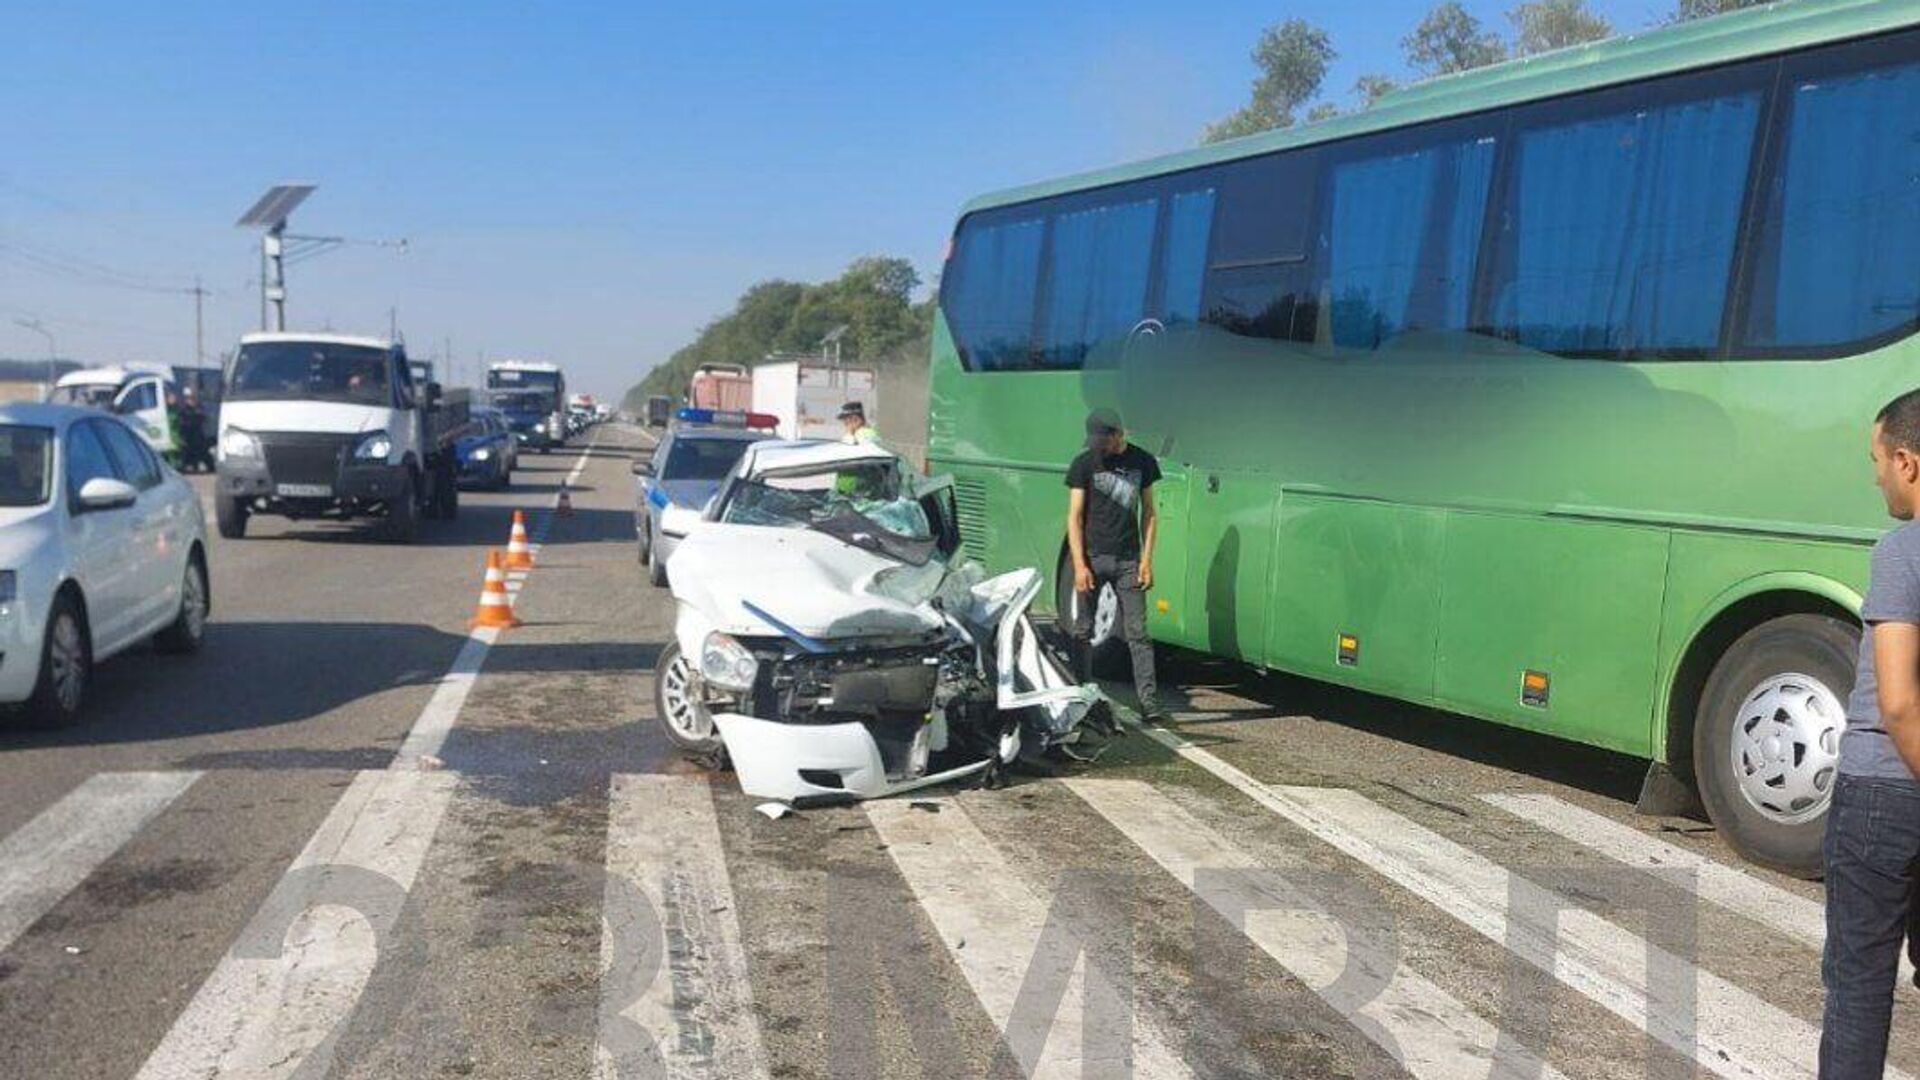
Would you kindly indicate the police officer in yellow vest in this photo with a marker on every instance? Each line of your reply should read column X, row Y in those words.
column 853, row 417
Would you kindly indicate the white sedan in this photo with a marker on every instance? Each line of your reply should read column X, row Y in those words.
column 102, row 546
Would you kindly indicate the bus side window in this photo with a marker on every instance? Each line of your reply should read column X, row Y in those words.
column 1096, row 285
column 988, row 292
column 1841, row 221
column 1183, row 259
column 1259, row 276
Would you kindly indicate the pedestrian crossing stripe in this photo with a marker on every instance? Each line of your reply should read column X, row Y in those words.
column 674, row 965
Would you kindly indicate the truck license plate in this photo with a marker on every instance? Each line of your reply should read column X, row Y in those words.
column 304, row 491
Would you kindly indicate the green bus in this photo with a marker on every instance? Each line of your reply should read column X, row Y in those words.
column 1538, row 393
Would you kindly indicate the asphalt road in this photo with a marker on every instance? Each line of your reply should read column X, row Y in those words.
column 349, row 839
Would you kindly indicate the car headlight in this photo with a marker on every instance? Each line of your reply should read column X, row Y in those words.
column 375, row 447
column 239, row 444
column 482, row 454
column 677, row 521
column 540, row 428
column 726, row 663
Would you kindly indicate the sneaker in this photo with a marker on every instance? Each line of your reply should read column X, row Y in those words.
column 1152, row 712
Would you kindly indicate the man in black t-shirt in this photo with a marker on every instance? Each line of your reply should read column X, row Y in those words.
column 1110, row 529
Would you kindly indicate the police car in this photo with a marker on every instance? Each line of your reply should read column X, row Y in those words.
column 673, row 486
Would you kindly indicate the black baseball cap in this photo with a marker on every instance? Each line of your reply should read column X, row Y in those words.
column 1102, row 423
column 853, row 408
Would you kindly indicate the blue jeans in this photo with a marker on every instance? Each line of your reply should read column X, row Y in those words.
column 1873, row 865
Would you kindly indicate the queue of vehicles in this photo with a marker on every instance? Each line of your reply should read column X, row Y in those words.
column 104, row 543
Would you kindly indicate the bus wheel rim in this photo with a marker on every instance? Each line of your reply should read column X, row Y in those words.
column 684, row 715
column 1106, row 614
column 1786, row 747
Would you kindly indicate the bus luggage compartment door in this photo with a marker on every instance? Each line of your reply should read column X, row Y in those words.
column 1577, row 602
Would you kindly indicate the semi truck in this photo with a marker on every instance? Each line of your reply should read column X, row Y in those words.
column 329, row 426
column 805, row 395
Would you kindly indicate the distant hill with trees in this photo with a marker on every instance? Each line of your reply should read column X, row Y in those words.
column 873, row 299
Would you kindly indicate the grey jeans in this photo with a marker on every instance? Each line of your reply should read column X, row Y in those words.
column 1124, row 575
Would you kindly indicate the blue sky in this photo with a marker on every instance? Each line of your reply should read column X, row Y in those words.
column 586, row 183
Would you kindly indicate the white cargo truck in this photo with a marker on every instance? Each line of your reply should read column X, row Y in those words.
column 805, row 396
column 328, row 426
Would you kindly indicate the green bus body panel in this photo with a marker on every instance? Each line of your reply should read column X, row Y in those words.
column 1468, row 513
column 1369, row 569
column 1577, row 601
column 1700, row 43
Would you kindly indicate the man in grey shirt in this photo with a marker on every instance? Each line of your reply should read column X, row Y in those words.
column 1873, row 824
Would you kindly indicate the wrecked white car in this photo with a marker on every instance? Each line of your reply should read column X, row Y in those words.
column 830, row 641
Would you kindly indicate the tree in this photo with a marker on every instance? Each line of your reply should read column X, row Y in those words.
column 1326, row 110
column 1700, row 9
column 1292, row 57
column 872, row 298
column 1555, row 24
column 1372, row 88
column 1450, row 40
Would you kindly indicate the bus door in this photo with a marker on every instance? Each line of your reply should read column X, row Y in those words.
column 1229, row 553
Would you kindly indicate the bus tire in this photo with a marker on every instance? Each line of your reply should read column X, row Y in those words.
column 1766, row 737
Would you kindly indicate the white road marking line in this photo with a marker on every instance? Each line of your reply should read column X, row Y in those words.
column 1428, row 1032
column 277, row 997
column 1797, row 917
column 991, row 925
column 435, row 722
column 1735, row 1033
column 47, row 857
column 695, row 1009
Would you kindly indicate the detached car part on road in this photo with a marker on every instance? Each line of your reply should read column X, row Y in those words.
column 829, row 641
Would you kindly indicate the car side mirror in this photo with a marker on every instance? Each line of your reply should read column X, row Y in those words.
column 643, row 467
column 107, row 493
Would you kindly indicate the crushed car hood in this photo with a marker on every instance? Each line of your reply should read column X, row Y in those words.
column 764, row 581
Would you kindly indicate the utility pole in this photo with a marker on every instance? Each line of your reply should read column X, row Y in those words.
column 199, row 323
column 393, row 323
column 53, row 350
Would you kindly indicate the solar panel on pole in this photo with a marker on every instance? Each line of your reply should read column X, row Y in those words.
column 271, row 210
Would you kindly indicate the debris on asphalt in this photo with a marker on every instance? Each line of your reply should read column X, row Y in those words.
column 429, row 763
column 74, row 950
column 922, row 804
column 774, row 811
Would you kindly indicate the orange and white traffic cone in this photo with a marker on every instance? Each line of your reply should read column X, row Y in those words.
column 495, row 609
column 565, row 507
column 519, row 552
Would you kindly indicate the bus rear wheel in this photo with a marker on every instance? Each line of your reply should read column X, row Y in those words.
column 1766, row 737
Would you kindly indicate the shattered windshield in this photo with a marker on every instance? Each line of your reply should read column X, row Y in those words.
column 863, row 503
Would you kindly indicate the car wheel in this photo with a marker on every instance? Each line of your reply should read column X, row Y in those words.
column 230, row 513
column 402, row 523
column 646, row 542
column 66, row 664
column 657, row 572
column 1766, row 737
column 683, row 715
column 189, row 627
column 1107, row 642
